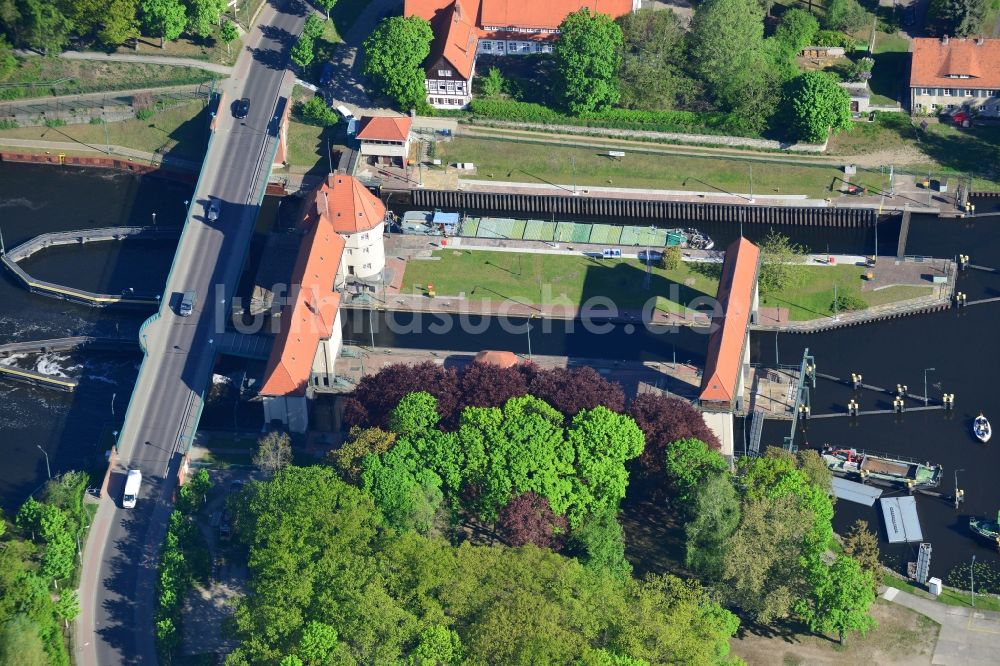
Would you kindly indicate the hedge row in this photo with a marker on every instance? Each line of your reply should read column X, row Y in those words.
column 686, row 122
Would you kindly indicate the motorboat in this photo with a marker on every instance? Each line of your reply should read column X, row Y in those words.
column 981, row 428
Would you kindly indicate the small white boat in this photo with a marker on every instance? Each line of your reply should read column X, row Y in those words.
column 981, row 428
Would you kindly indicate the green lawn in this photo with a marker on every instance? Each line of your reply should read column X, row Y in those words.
column 555, row 279
column 813, row 296
column 180, row 130
column 948, row 596
column 36, row 76
column 509, row 160
column 890, row 63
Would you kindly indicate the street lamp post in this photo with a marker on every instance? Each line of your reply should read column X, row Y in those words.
column 47, row 468
column 926, row 370
column 957, row 495
column 528, row 331
column 972, row 580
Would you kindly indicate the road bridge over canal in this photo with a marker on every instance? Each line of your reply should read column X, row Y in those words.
column 117, row 589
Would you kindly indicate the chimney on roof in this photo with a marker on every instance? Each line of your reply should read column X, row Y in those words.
column 326, row 204
column 944, row 39
column 458, row 11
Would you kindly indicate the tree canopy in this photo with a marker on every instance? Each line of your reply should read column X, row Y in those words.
column 587, row 57
column 665, row 420
column 652, row 56
column 330, row 582
column 816, row 106
column 394, row 53
column 959, row 18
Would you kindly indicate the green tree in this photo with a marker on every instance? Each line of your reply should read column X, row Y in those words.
column 204, row 15
column 394, row 54
column 671, row 259
column 438, row 646
column 840, row 599
column 67, row 607
column 163, row 18
column 602, row 441
column 229, row 33
column 812, row 465
column 587, row 57
column 361, row 443
column 797, row 29
column 519, row 448
column 652, row 56
column 303, row 52
column 8, row 63
column 120, row 23
column 315, row 111
column 761, row 569
column 599, row 543
column 845, row 15
column 959, row 18
column 861, row 544
column 313, row 27
column 407, row 493
column 192, row 494
column 326, row 6
column 318, row 642
column 715, row 515
column 274, row 452
column 816, row 106
column 781, row 263
column 493, row 83
column 43, row 26
column 20, row 643
column 737, row 77
column 690, row 463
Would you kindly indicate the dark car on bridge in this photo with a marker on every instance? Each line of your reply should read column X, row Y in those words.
column 241, row 108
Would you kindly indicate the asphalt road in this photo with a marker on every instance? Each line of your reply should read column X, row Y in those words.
column 117, row 590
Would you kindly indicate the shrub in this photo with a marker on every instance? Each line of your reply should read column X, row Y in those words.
column 315, row 111
column 848, row 303
column 833, row 38
column 144, row 114
column 671, row 258
column 492, row 84
column 655, row 121
column 96, row 121
column 54, row 122
column 8, row 124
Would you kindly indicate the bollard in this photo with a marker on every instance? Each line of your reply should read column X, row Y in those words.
column 855, row 380
column 949, row 401
column 852, row 408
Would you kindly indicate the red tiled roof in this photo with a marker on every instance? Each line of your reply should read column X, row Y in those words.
column 351, row 207
column 340, row 205
column 546, row 14
column 383, row 128
column 933, row 61
column 504, row 359
column 723, row 362
column 455, row 37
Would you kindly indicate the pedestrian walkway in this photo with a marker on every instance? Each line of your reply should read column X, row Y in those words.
column 969, row 637
column 683, row 379
column 147, row 59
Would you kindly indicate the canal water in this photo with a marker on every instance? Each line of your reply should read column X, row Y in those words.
column 959, row 345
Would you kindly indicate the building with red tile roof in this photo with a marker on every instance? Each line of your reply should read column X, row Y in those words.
column 464, row 29
column 728, row 352
column 385, row 140
column 950, row 73
column 335, row 216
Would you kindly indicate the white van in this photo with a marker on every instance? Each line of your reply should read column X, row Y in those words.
column 132, row 483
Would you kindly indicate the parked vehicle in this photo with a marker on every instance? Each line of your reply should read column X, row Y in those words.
column 214, row 209
column 132, row 483
column 241, row 108
column 327, row 76
column 187, row 303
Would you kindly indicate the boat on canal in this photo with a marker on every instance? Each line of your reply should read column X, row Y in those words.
column 439, row 223
column 987, row 529
column 882, row 468
column 981, row 428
